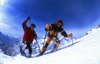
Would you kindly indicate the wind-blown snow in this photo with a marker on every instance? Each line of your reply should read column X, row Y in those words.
column 85, row 50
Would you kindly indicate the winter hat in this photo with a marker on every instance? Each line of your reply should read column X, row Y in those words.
column 33, row 25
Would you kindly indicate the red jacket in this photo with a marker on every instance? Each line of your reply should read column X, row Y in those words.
column 28, row 34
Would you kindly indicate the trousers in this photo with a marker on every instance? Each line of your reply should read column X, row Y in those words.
column 56, row 40
column 28, row 46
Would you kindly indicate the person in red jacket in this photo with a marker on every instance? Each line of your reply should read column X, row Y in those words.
column 29, row 35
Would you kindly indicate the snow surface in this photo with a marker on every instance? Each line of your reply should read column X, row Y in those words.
column 85, row 50
column 91, row 31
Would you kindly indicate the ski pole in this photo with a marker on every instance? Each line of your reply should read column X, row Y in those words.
column 45, row 38
column 38, row 45
column 72, row 39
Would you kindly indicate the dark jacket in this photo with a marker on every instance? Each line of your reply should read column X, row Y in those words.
column 54, row 30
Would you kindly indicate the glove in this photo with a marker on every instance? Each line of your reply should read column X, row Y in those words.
column 35, row 36
column 47, row 27
column 70, row 35
column 28, row 18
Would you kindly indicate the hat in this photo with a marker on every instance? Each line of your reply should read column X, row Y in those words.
column 33, row 25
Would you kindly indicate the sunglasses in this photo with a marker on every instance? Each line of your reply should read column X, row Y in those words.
column 32, row 27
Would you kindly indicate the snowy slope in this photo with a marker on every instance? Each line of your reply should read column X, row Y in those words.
column 85, row 50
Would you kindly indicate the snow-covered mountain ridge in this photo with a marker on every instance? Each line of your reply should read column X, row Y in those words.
column 7, row 43
column 83, row 51
column 5, row 39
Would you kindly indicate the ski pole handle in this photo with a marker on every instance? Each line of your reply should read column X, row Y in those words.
column 28, row 18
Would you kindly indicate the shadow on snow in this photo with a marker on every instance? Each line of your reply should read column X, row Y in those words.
column 63, row 48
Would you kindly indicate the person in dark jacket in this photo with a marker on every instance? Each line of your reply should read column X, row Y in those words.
column 54, row 29
column 29, row 35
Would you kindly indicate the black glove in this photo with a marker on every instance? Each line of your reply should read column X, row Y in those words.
column 46, row 29
column 28, row 18
column 35, row 36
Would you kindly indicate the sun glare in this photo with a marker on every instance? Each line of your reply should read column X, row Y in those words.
column 2, row 2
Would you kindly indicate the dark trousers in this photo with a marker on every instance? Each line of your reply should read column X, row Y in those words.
column 28, row 46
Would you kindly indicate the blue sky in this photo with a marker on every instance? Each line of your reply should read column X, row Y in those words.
column 79, row 16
